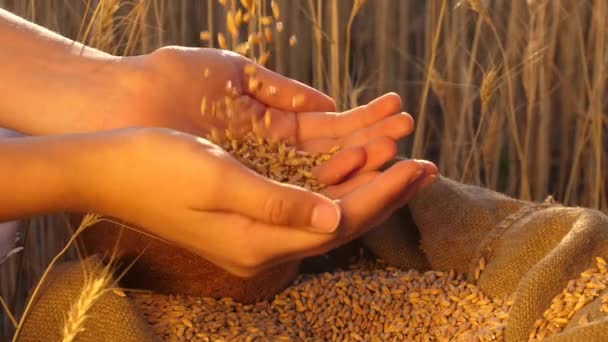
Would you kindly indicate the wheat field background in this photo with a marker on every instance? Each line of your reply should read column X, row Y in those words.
column 511, row 95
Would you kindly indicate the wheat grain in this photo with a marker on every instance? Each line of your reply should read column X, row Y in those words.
column 369, row 302
column 293, row 41
column 577, row 293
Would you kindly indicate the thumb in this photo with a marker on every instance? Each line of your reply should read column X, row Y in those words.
column 271, row 202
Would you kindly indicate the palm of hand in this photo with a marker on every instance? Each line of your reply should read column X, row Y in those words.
column 230, row 92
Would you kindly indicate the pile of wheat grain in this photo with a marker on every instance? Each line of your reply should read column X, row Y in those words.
column 577, row 293
column 277, row 160
column 364, row 303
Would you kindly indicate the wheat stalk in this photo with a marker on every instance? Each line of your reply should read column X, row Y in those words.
column 347, row 86
column 87, row 221
column 8, row 312
column 94, row 287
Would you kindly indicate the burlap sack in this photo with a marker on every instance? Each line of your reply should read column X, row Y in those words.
column 531, row 249
column 165, row 268
column 110, row 318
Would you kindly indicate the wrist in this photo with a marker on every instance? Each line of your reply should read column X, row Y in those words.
column 44, row 176
column 51, row 84
column 73, row 93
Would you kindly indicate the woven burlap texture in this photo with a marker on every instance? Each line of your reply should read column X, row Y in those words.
column 110, row 318
column 531, row 251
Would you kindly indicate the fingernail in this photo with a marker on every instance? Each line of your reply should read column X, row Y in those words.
column 326, row 217
column 418, row 176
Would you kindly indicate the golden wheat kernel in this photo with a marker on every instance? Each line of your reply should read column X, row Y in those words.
column 264, row 58
column 222, row 2
column 221, row 40
column 253, row 84
column 206, row 73
column 249, row 69
column 205, row 36
column 276, row 13
column 231, row 25
column 268, row 34
column 238, row 18
column 255, row 38
column 228, row 86
column 228, row 102
column 203, row 106
column 242, row 48
column 246, row 18
column 272, row 90
column 482, row 263
column 214, row 136
column 213, row 110
column 119, row 292
column 266, row 20
column 297, row 100
column 293, row 41
column 279, row 26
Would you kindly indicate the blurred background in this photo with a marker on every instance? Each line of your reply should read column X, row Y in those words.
column 510, row 95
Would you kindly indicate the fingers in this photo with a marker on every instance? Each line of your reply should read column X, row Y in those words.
column 374, row 155
column 368, row 199
column 343, row 189
column 317, row 124
column 363, row 207
column 344, row 163
column 394, row 127
column 281, row 92
column 244, row 192
column 377, row 198
column 429, row 167
column 378, row 152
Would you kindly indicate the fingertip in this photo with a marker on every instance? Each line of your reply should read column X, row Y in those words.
column 331, row 103
column 313, row 100
column 411, row 167
column 326, row 216
column 390, row 102
column 429, row 167
column 407, row 123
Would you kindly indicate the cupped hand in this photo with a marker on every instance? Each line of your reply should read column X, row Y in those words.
column 176, row 80
column 185, row 190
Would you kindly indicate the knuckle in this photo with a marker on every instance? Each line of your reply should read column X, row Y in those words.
column 276, row 209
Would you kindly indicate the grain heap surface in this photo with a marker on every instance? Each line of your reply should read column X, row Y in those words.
column 276, row 160
column 367, row 302
column 576, row 294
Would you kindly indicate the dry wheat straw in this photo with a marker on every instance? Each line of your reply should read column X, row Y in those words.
column 87, row 221
column 8, row 313
column 95, row 285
